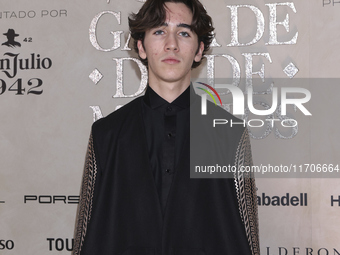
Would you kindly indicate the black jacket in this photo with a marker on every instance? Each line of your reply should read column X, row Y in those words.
column 119, row 211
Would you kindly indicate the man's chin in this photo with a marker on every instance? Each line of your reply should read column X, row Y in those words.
column 174, row 78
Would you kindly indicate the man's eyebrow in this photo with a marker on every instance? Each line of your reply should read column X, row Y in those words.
column 185, row 26
column 179, row 25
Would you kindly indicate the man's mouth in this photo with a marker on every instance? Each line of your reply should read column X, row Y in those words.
column 171, row 61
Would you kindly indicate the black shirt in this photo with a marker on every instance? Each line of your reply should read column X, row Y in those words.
column 166, row 126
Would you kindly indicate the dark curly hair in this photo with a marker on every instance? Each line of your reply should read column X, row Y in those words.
column 153, row 14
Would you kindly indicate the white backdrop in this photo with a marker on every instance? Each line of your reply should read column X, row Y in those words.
column 46, row 94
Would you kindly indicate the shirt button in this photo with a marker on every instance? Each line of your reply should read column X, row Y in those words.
column 168, row 108
column 168, row 171
column 169, row 135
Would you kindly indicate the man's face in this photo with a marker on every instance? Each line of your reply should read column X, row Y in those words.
column 172, row 47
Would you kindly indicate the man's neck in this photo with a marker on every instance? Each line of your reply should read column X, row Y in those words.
column 169, row 91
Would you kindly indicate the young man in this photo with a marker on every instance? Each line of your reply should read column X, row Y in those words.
column 137, row 196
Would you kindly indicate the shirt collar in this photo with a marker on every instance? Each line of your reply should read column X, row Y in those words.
column 153, row 100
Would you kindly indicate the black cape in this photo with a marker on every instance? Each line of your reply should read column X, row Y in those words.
column 119, row 211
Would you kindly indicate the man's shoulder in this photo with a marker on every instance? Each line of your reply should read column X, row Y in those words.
column 127, row 113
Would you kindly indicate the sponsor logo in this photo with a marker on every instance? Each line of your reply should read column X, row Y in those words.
column 11, row 39
column 298, row 250
column 51, row 199
column 335, row 200
column 6, row 244
column 60, row 244
column 287, row 200
column 13, row 64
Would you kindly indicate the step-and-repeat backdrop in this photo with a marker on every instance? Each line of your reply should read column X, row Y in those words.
column 64, row 64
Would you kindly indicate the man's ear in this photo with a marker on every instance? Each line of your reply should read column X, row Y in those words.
column 141, row 50
column 198, row 55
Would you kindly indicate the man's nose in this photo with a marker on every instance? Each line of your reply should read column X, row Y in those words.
column 171, row 43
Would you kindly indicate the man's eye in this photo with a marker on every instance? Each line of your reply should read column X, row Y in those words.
column 158, row 32
column 185, row 34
